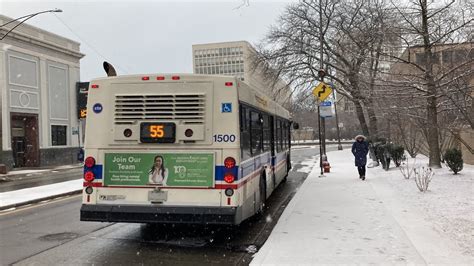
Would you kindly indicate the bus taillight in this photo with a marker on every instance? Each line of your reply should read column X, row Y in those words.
column 175, row 78
column 229, row 84
column 229, row 178
column 229, row 162
column 145, row 78
column 94, row 86
column 89, row 176
column 89, row 162
column 160, row 78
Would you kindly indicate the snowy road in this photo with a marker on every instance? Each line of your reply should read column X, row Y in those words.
column 51, row 234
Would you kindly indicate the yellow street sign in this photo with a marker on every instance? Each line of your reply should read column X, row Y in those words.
column 322, row 91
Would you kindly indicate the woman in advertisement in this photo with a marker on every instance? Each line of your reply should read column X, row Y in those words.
column 158, row 174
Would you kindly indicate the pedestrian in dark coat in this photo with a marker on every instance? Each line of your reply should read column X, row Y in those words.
column 360, row 148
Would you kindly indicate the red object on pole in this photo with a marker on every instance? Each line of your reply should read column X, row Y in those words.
column 326, row 166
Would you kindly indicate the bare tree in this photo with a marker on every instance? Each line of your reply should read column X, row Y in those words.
column 426, row 30
column 350, row 29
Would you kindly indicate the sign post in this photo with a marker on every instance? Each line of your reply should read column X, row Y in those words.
column 321, row 92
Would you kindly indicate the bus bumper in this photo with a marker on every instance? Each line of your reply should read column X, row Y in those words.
column 159, row 214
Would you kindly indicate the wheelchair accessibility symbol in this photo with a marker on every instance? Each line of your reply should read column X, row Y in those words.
column 226, row 108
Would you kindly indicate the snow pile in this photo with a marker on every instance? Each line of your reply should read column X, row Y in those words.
column 30, row 194
column 448, row 204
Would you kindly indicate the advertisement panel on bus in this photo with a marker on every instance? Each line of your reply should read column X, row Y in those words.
column 164, row 169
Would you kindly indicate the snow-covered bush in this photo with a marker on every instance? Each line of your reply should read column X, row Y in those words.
column 453, row 158
column 383, row 154
column 407, row 169
column 397, row 154
column 423, row 177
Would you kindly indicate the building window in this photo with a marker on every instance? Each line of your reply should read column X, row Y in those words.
column 23, row 72
column 58, row 135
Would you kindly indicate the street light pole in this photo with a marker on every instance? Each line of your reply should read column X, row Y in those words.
column 322, row 122
column 27, row 17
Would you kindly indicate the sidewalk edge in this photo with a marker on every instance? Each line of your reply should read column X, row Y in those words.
column 19, row 204
column 281, row 223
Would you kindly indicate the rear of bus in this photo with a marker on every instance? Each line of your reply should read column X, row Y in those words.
column 162, row 149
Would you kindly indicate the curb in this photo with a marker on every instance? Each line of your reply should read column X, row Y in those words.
column 19, row 204
column 11, row 177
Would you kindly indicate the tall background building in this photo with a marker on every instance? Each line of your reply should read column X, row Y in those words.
column 235, row 59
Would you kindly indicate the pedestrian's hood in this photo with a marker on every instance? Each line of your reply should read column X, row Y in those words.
column 360, row 136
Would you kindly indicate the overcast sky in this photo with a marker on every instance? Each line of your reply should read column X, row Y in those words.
column 147, row 36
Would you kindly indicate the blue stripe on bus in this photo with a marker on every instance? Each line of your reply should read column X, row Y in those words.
column 221, row 170
column 97, row 170
column 246, row 168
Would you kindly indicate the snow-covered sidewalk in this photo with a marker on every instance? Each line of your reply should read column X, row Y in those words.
column 339, row 219
column 23, row 196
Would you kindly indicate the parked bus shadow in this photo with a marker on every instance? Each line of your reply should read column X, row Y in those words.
column 231, row 237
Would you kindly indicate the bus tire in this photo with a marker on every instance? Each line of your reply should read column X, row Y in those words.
column 288, row 163
column 288, row 168
column 262, row 190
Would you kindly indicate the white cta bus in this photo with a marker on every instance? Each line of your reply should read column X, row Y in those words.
column 181, row 149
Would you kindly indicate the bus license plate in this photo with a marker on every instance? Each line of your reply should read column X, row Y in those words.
column 157, row 196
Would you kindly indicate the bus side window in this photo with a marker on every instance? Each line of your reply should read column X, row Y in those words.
column 244, row 133
column 278, row 135
column 282, row 138
column 255, row 133
column 266, row 133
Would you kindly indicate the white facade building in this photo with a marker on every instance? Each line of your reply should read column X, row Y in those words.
column 38, row 75
column 235, row 59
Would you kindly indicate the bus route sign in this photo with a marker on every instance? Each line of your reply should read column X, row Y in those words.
column 180, row 169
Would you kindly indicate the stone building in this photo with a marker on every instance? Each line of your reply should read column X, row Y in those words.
column 38, row 75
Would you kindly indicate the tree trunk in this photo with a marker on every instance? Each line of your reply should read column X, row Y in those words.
column 374, row 66
column 433, row 137
column 372, row 118
column 361, row 117
column 431, row 106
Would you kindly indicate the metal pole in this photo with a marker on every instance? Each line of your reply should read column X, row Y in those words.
column 27, row 17
column 320, row 146
column 339, row 145
column 79, row 126
column 322, row 139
